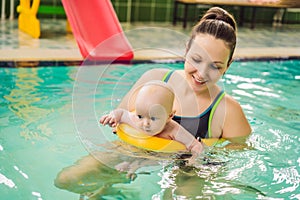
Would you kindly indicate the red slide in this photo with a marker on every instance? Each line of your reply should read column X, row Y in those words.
column 97, row 30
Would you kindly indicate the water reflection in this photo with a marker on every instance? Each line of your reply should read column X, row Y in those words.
column 24, row 99
column 6, row 181
column 289, row 176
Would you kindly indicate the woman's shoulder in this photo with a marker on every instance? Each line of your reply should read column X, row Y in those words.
column 156, row 73
column 232, row 105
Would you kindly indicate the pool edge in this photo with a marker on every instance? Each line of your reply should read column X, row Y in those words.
column 72, row 57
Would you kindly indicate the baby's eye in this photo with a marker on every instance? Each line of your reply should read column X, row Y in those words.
column 153, row 118
column 140, row 116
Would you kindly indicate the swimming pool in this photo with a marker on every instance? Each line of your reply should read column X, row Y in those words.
column 42, row 130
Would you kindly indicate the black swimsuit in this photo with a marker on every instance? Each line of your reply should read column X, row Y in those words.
column 198, row 125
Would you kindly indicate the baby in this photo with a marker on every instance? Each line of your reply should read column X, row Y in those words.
column 153, row 116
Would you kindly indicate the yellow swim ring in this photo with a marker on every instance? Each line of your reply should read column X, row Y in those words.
column 141, row 140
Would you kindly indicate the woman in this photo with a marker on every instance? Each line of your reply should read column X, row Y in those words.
column 201, row 106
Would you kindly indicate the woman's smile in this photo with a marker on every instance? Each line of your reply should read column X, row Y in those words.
column 198, row 81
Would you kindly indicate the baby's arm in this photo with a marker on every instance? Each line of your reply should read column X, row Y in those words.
column 113, row 118
column 117, row 116
column 179, row 134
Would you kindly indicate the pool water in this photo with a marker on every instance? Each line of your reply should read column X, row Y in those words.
column 49, row 119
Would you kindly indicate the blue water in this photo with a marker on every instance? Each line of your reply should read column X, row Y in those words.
column 49, row 119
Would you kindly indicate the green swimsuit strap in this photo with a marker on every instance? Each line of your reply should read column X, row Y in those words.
column 167, row 76
column 217, row 102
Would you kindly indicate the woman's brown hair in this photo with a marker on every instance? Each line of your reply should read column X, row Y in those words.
column 218, row 23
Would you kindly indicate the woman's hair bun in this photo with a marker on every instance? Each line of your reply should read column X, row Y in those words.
column 217, row 13
column 219, row 23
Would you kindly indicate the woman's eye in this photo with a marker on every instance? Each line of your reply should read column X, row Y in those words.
column 214, row 66
column 197, row 60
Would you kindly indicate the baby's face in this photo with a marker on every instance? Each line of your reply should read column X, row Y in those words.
column 153, row 107
column 151, row 118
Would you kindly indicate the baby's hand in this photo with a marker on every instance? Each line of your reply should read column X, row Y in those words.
column 112, row 119
column 108, row 119
column 197, row 147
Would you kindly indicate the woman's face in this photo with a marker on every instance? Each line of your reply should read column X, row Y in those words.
column 206, row 61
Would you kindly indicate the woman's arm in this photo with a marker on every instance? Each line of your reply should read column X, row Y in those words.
column 236, row 127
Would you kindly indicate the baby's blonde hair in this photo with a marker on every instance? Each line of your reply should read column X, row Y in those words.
column 169, row 95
